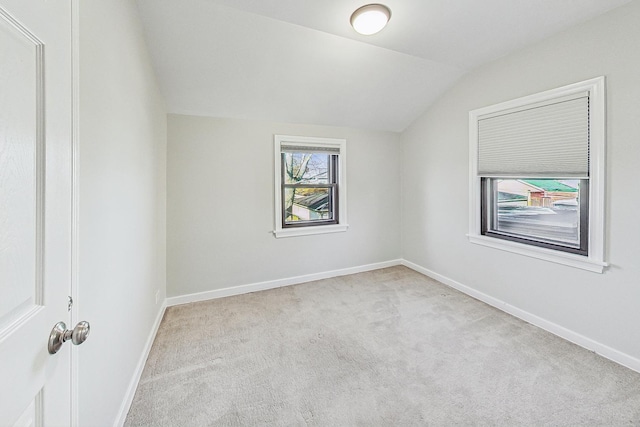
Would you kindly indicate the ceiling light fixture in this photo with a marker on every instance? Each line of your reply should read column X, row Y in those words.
column 370, row 19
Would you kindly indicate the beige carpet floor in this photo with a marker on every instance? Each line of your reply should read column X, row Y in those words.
column 388, row 347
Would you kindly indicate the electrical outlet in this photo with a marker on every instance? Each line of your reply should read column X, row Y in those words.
column 157, row 296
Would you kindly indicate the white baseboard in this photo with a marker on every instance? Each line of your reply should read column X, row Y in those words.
column 133, row 384
column 271, row 284
column 567, row 334
column 574, row 337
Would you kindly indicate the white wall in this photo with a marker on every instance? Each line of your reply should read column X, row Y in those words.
column 122, row 175
column 220, row 210
column 603, row 308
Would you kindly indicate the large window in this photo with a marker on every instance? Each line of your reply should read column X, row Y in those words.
column 310, row 185
column 537, row 175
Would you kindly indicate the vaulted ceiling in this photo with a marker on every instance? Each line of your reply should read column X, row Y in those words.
column 300, row 61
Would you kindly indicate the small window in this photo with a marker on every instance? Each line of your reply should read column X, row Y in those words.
column 537, row 175
column 309, row 188
column 309, row 185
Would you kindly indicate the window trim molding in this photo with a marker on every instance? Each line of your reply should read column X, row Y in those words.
column 342, row 225
column 594, row 261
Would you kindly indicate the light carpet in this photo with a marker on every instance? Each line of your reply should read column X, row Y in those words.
column 389, row 347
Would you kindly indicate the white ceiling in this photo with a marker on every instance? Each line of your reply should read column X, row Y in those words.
column 300, row 61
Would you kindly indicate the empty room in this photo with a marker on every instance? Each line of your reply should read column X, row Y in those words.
column 327, row 213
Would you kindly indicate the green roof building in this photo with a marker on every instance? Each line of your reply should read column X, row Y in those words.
column 550, row 185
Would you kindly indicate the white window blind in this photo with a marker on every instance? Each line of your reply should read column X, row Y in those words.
column 286, row 148
column 549, row 139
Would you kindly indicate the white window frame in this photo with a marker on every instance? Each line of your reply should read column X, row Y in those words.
column 306, row 141
column 594, row 261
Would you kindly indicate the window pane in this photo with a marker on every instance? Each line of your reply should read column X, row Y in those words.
column 306, row 168
column 542, row 209
column 307, row 204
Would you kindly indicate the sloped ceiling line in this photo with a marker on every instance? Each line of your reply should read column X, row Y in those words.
column 299, row 61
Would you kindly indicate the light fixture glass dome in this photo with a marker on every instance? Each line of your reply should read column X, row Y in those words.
column 370, row 19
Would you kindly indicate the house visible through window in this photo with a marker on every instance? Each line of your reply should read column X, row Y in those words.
column 310, row 185
column 537, row 175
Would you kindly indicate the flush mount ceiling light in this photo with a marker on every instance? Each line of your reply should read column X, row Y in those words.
column 370, row 19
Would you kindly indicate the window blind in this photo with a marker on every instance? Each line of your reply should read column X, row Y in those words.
column 288, row 148
column 549, row 139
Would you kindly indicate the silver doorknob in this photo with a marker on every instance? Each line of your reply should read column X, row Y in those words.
column 60, row 334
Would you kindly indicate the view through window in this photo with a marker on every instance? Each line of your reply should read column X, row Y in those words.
column 544, row 210
column 309, row 188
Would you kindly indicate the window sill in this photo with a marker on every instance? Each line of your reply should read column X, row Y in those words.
column 306, row 231
column 571, row 260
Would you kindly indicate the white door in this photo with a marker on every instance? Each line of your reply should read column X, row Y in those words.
column 35, row 209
